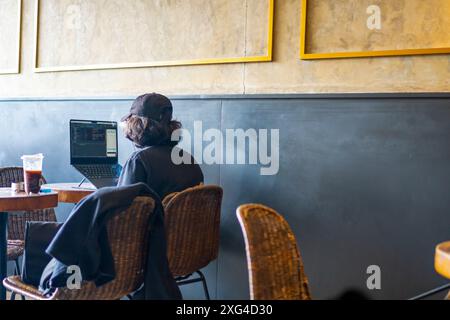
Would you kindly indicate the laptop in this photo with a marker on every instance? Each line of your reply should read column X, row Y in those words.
column 94, row 151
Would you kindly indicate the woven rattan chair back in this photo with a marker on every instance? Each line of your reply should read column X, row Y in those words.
column 274, row 262
column 192, row 226
column 16, row 221
column 128, row 236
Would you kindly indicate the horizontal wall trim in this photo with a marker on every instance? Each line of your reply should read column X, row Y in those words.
column 433, row 95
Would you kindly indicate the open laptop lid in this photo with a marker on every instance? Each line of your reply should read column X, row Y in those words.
column 93, row 142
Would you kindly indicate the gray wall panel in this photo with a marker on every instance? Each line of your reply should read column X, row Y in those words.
column 361, row 182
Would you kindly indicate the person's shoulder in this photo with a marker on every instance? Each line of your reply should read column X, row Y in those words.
column 139, row 155
column 160, row 153
column 136, row 154
column 150, row 152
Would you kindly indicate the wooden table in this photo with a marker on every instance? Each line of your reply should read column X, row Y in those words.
column 70, row 192
column 442, row 259
column 11, row 202
column 442, row 262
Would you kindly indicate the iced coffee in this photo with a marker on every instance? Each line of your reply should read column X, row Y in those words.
column 32, row 170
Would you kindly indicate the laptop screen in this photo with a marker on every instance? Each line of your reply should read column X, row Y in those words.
column 93, row 142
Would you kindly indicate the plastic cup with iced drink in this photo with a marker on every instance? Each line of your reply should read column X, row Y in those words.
column 32, row 170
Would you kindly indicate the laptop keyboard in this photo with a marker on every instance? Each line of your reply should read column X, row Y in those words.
column 97, row 171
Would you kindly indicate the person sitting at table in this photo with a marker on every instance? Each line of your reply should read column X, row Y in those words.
column 149, row 125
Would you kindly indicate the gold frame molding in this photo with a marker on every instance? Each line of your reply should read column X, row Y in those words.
column 357, row 54
column 16, row 69
column 265, row 58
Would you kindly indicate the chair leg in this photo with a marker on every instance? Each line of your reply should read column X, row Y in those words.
column 431, row 292
column 181, row 281
column 16, row 273
column 205, row 286
column 17, row 270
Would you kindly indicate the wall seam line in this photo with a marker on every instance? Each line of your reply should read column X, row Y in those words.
column 220, row 183
column 244, row 65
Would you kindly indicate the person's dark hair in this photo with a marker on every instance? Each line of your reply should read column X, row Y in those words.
column 145, row 132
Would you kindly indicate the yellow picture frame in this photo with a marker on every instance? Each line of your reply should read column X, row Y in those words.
column 264, row 58
column 16, row 68
column 358, row 54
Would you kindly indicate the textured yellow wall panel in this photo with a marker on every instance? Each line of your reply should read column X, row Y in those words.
column 9, row 35
column 286, row 74
column 341, row 25
column 111, row 32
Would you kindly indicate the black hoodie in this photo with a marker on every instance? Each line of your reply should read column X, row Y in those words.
column 83, row 241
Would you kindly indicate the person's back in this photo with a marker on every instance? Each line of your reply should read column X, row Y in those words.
column 149, row 126
column 154, row 166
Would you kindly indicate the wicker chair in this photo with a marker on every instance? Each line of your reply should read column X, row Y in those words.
column 128, row 237
column 275, row 265
column 16, row 222
column 192, row 220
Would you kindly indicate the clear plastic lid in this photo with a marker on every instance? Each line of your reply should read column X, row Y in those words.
column 33, row 162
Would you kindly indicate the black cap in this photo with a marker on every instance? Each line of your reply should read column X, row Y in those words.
column 153, row 106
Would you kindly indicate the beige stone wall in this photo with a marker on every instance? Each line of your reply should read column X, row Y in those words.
column 286, row 74
column 9, row 20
